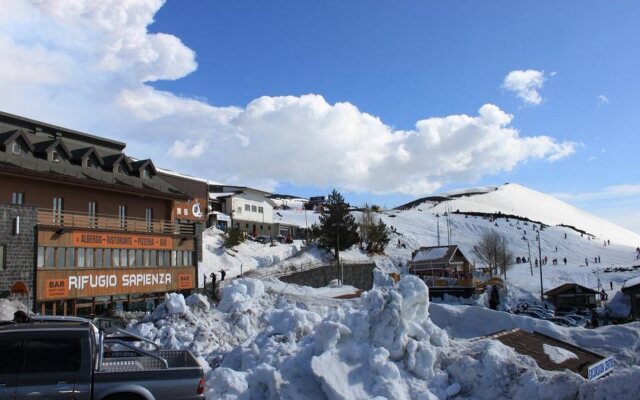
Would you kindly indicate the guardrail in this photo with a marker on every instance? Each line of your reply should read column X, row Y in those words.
column 70, row 219
column 288, row 269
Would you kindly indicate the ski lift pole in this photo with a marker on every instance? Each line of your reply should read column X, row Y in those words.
column 540, row 264
column 530, row 264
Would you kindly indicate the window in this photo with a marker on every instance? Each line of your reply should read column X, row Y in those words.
column 48, row 257
column 145, row 258
column 154, row 258
column 138, row 258
column 58, row 206
column 107, row 258
column 93, row 207
column 16, row 149
column 167, row 258
column 90, row 162
column 148, row 217
column 40, row 257
column 115, row 253
column 17, row 198
column 119, row 169
column 10, row 350
column 88, row 258
column 161, row 258
column 51, row 354
column 55, row 156
column 254, row 208
column 60, row 257
column 80, row 258
column 71, row 257
column 185, row 257
column 122, row 216
column 173, row 258
column 132, row 258
column 123, row 258
column 146, row 174
column 247, row 207
column 99, row 258
column 261, row 210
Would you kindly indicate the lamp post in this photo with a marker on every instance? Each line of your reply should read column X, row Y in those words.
column 540, row 264
column 438, row 225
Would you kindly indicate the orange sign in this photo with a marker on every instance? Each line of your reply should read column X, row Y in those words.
column 184, row 281
column 64, row 284
column 193, row 210
column 121, row 241
column 55, row 288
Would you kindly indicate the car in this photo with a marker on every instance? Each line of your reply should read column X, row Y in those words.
column 535, row 314
column 566, row 310
column 578, row 319
column 562, row 321
column 264, row 239
column 541, row 310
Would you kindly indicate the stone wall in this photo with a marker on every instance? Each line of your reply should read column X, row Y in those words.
column 21, row 248
column 356, row 275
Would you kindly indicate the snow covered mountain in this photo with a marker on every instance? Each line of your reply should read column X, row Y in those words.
column 515, row 199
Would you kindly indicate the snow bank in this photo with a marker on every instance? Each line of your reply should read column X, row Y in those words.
column 9, row 307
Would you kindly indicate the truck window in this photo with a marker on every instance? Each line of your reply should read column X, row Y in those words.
column 52, row 355
column 11, row 360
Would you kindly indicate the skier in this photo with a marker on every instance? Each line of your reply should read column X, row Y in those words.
column 608, row 242
column 565, row 261
column 565, row 235
column 222, row 274
column 586, row 261
column 536, row 263
column 611, row 285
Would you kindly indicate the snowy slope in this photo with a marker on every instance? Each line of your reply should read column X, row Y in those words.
column 519, row 200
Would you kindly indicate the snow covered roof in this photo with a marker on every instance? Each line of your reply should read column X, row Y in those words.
column 214, row 196
column 628, row 284
column 570, row 287
column 550, row 353
column 436, row 254
column 179, row 175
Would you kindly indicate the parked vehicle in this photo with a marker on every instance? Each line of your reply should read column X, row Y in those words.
column 562, row 321
column 535, row 314
column 65, row 359
column 578, row 319
column 264, row 239
column 562, row 310
column 541, row 310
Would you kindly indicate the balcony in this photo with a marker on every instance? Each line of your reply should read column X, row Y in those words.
column 69, row 219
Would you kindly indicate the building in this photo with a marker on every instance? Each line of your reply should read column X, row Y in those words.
column 445, row 269
column 631, row 289
column 84, row 228
column 573, row 295
column 249, row 209
column 553, row 354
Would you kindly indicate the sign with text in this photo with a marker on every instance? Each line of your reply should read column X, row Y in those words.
column 65, row 284
column 121, row 241
column 600, row 368
column 193, row 210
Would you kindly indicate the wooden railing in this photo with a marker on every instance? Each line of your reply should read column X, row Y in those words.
column 69, row 219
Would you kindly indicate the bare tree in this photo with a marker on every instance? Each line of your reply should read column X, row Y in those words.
column 492, row 250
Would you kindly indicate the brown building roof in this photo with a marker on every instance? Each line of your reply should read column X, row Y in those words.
column 534, row 344
column 435, row 254
column 570, row 288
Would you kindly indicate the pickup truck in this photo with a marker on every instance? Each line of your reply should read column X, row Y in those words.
column 68, row 358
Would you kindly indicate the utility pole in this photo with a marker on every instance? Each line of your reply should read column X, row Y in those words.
column 530, row 264
column 540, row 264
column 438, row 225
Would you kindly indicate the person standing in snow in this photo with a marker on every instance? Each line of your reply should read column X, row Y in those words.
column 608, row 242
column 565, row 235
column 565, row 260
column 222, row 275
column 586, row 261
column 611, row 285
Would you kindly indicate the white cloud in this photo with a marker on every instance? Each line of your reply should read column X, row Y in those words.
column 90, row 62
column 602, row 100
column 609, row 192
column 525, row 84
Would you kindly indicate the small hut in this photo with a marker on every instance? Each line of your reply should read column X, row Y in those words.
column 631, row 289
column 573, row 295
column 442, row 266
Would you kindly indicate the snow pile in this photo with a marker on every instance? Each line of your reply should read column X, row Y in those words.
column 173, row 304
column 557, row 354
column 9, row 307
column 359, row 351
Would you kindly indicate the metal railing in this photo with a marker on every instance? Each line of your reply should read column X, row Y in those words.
column 70, row 219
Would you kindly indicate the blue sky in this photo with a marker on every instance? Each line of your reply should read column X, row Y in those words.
column 396, row 62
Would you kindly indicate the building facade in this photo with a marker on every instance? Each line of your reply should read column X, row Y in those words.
column 84, row 228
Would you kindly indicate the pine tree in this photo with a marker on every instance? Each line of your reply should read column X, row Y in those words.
column 337, row 221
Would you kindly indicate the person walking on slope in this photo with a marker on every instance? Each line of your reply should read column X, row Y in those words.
column 565, row 260
column 222, row 274
column 586, row 261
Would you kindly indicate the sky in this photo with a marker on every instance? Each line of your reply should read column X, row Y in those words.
column 385, row 101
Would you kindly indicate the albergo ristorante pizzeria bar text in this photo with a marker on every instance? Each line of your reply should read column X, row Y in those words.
column 84, row 228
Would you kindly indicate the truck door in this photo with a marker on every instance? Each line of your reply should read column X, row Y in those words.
column 10, row 365
column 51, row 365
